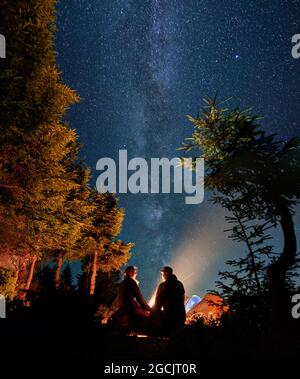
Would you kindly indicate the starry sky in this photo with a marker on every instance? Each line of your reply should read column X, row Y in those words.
column 140, row 67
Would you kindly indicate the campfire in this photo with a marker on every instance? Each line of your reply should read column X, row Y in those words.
column 209, row 308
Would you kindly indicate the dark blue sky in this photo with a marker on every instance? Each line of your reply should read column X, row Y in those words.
column 140, row 67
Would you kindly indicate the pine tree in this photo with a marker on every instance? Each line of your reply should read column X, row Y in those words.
column 44, row 278
column 107, row 254
column 40, row 189
column 47, row 191
column 76, row 220
column 66, row 279
column 262, row 172
column 47, row 210
column 243, row 286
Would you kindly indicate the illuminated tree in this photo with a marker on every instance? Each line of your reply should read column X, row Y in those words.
column 106, row 253
column 36, row 176
column 47, row 210
column 75, row 220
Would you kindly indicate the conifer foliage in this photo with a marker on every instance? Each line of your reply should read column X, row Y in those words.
column 47, row 209
column 259, row 178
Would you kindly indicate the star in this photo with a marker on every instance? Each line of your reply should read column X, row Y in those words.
column 140, row 67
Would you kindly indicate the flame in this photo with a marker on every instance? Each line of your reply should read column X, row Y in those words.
column 152, row 299
column 137, row 335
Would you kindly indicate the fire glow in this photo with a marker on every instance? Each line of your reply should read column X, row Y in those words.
column 194, row 259
column 152, row 299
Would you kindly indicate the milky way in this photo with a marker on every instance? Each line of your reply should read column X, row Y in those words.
column 140, row 68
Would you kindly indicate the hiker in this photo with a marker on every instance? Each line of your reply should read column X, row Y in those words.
column 133, row 309
column 168, row 312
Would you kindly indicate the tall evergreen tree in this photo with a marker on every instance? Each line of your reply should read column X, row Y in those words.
column 107, row 254
column 243, row 285
column 262, row 172
column 47, row 208
column 75, row 221
column 66, row 279
column 42, row 209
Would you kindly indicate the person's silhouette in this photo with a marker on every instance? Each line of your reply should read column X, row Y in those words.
column 133, row 309
column 169, row 309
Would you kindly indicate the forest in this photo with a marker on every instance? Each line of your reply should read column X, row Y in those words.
column 51, row 218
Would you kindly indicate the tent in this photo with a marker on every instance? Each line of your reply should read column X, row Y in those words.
column 191, row 302
column 210, row 308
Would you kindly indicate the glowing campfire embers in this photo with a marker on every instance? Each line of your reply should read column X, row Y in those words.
column 133, row 334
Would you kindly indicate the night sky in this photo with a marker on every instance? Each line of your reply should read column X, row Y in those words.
column 140, row 67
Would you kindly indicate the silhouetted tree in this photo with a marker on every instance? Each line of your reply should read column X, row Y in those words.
column 66, row 282
column 243, row 286
column 263, row 173
column 45, row 278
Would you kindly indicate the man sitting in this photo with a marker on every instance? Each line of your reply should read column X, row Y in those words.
column 168, row 310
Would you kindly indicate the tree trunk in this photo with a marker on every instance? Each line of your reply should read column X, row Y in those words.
column 94, row 274
column 88, row 274
column 31, row 271
column 277, row 271
column 16, row 278
column 58, row 270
